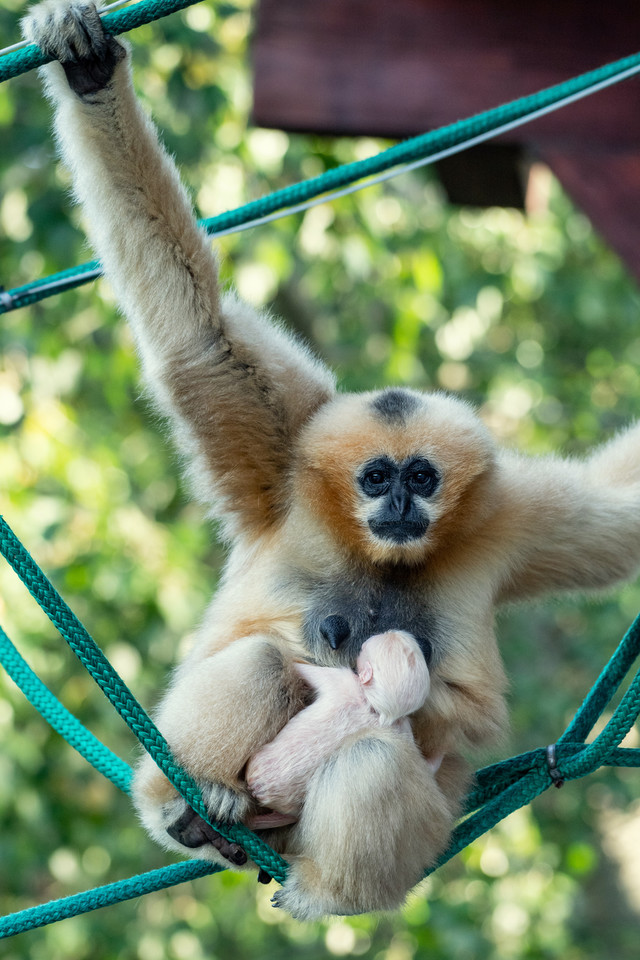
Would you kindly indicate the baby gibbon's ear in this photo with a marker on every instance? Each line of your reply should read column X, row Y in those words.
column 366, row 673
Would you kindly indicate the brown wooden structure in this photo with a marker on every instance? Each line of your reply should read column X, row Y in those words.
column 396, row 68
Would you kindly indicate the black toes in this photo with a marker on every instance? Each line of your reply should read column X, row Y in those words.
column 230, row 851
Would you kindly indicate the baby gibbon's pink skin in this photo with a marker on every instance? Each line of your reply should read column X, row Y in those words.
column 392, row 681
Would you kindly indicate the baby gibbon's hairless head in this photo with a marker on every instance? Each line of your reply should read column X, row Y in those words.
column 393, row 674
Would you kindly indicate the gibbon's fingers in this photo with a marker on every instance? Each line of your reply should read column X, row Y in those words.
column 192, row 831
column 74, row 34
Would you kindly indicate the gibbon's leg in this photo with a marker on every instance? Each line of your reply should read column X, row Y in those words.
column 568, row 524
column 374, row 819
column 217, row 712
column 236, row 386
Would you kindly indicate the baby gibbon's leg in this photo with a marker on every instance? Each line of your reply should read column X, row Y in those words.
column 218, row 711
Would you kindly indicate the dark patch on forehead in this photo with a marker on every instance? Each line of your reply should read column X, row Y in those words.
column 395, row 405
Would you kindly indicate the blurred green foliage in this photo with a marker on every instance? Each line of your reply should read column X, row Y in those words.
column 529, row 316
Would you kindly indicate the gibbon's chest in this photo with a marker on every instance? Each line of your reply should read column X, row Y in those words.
column 366, row 606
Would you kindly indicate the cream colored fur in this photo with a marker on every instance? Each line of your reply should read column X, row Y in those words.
column 275, row 451
column 392, row 681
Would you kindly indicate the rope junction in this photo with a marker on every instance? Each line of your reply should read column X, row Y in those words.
column 498, row 789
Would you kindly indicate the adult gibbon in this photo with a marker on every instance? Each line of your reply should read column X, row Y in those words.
column 346, row 515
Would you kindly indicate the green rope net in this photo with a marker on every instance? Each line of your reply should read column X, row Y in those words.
column 499, row 789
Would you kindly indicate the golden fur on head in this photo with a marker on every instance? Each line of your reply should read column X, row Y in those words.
column 352, row 429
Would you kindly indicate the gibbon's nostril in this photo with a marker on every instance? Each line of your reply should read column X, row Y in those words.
column 335, row 630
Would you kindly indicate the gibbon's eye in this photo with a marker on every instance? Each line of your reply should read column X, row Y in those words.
column 375, row 478
column 423, row 479
column 375, row 483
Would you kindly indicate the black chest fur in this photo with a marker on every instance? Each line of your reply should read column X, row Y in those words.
column 369, row 605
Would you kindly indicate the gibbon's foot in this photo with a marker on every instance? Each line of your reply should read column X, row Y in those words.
column 192, row 831
column 301, row 906
column 263, row 876
column 72, row 32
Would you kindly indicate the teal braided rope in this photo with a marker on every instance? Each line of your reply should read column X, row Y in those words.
column 49, row 286
column 490, row 781
column 104, row 896
column 519, row 780
column 120, row 774
column 455, row 135
column 68, row 726
column 517, row 795
column 604, row 687
column 618, row 727
column 90, row 655
column 116, row 22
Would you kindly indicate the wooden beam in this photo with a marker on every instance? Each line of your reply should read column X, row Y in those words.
column 607, row 188
column 398, row 67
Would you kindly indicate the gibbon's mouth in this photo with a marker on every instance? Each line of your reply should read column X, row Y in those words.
column 399, row 531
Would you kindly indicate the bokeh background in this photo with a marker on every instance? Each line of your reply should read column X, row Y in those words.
column 530, row 317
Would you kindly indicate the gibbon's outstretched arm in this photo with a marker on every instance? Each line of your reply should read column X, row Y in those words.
column 237, row 387
column 568, row 524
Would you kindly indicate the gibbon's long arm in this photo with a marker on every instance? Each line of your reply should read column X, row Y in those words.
column 569, row 524
column 236, row 386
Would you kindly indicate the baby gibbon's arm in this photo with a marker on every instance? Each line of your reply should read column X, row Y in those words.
column 237, row 387
column 278, row 774
column 568, row 524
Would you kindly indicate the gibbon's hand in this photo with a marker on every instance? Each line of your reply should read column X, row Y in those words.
column 192, row 831
column 73, row 33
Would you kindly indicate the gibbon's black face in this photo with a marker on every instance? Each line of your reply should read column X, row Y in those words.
column 391, row 474
column 400, row 491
